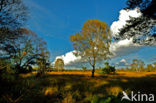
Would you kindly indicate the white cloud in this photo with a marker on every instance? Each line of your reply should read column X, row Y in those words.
column 122, row 62
column 124, row 47
column 68, row 58
column 118, row 48
column 123, row 17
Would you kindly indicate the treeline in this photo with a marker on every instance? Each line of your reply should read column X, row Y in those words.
column 139, row 66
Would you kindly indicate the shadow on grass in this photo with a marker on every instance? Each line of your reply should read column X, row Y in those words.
column 85, row 89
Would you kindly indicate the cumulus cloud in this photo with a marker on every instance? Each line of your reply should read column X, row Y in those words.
column 124, row 47
column 68, row 58
column 122, row 62
column 123, row 17
column 118, row 48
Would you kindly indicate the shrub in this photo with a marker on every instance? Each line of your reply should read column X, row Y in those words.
column 108, row 69
column 84, row 68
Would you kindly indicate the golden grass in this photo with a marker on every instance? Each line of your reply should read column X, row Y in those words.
column 48, row 91
column 88, row 73
column 80, row 86
column 114, row 90
column 136, row 74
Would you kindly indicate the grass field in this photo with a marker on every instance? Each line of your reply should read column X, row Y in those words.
column 80, row 87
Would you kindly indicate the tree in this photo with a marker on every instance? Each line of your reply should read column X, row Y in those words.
column 147, row 7
column 24, row 51
column 13, row 13
column 127, row 69
column 92, row 42
column 143, row 28
column 141, row 65
column 43, row 61
column 137, row 65
column 34, row 52
column 59, row 64
column 149, row 67
column 154, row 64
column 19, row 46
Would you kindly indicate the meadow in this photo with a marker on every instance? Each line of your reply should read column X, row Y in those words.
column 80, row 87
column 35, row 50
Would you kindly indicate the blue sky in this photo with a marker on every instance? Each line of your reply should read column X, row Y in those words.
column 56, row 20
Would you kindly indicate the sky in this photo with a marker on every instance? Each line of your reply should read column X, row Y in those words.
column 56, row 20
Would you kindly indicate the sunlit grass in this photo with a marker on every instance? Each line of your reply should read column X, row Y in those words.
column 78, row 86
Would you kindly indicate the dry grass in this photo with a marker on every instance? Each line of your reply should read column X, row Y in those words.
column 119, row 74
column 136, row 74
column 80, row 87
column 88, row 73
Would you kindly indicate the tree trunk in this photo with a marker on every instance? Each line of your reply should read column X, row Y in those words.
column 93, row 70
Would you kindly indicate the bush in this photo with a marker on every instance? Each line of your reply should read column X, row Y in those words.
column 108, row 69
column 84, row 68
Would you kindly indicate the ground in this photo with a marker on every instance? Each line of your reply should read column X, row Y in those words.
column 80, row 87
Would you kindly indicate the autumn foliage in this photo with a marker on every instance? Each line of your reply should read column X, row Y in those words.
column 59, row 64
column 92, row 42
